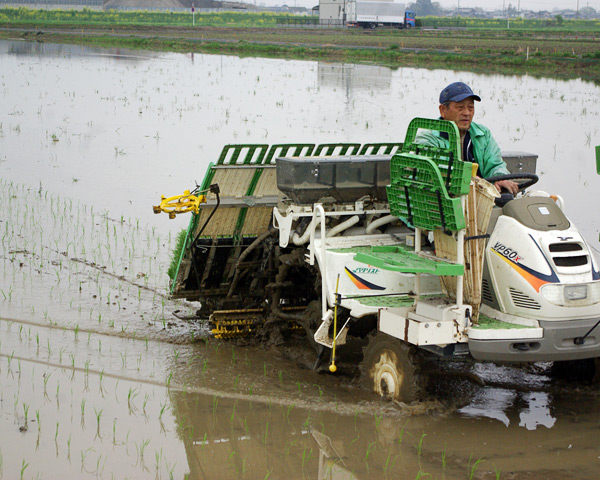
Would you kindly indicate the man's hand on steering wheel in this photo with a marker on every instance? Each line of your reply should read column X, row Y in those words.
column 511, row 183
column 508, row 185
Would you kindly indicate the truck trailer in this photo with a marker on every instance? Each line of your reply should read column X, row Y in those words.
column 379, row 14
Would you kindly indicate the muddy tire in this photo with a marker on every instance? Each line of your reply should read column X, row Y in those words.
column 389, row 368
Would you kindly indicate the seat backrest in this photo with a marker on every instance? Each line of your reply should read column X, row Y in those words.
column 418, row 194
column 456, row 173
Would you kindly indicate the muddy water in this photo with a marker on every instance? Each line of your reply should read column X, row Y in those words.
column 99, row 379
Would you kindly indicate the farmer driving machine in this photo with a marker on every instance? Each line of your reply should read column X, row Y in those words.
column 397, row 244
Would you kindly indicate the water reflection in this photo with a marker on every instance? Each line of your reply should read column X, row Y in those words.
column 348, row 76
column 40, row 48
column 532, row 408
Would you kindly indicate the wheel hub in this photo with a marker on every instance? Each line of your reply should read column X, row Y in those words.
column 388, row 379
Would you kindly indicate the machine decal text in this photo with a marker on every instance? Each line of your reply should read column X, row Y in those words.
column 506, row 252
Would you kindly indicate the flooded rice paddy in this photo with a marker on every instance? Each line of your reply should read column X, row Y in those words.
column 99, row 380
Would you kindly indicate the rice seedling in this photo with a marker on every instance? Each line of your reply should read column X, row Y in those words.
column 133, row 392
column 232, row 416
column 83, row 401
column 472, row 469
column 114, row 429
column 266, row 434
column 444, row 458
column 24, row 466
column 420, row 444
column 306, row 456
column 25, row 412
column 141, row 449
column 98, row 417
column 162, row 410
column 320, row 391
column 84, row 454
column 377, row 421
column 69, row 448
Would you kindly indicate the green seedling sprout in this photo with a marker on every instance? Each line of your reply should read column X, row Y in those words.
column 24, row 466
column 146, row 398
column 232, row 416
column 473, row 468
column 377, row 421
column 306, row 456
column 98, row 416
column 444, row 458
column 157, row 460
column 162, row 410
column 420, row 444
column 46, row 378
column 320, row 391
column 142, row 449
column 84, row 454
column 25, row 412
column 114, row 440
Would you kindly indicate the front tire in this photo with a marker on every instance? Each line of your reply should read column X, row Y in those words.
column 388, row 368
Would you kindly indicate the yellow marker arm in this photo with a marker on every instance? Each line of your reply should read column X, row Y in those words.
column 180, row 204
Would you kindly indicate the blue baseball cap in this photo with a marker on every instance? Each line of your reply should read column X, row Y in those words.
column 457, row 91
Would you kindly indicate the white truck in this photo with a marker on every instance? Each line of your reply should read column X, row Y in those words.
column 379, row 14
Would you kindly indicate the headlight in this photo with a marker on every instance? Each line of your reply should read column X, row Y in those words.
column 579, row 295
column 576, row 292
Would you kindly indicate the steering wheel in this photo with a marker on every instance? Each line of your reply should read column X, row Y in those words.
column 523, row 180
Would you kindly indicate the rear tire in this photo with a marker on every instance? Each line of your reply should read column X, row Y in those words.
column 388, row 368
